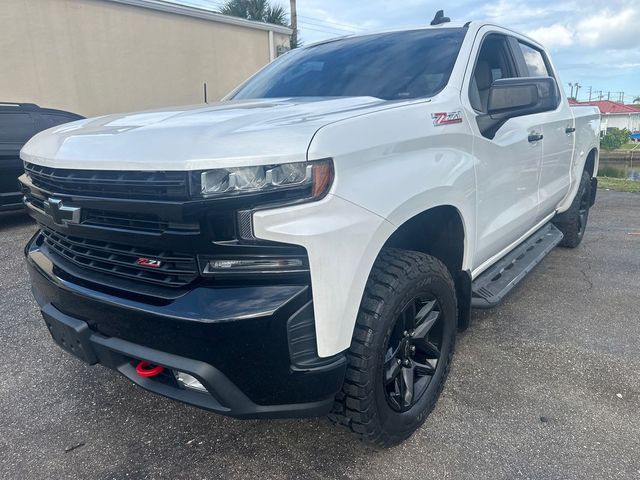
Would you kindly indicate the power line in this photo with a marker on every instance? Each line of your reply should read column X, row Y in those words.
column 304, row 27
column 351, row 27
column 323, row 29
column 327, row 26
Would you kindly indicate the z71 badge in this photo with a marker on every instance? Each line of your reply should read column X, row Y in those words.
column 446, row 118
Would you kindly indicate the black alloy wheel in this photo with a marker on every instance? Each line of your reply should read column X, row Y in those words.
column 401, row 350
column 412, row 353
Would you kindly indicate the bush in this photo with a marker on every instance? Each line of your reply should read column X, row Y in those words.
column 614, row 138
column 611, row 172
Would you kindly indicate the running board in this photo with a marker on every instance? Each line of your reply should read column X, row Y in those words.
column 491, row 286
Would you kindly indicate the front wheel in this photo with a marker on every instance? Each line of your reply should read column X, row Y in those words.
column 573, row 222
column 401, row 349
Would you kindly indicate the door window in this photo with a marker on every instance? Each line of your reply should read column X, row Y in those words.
column 535, row 61
column 494, row 62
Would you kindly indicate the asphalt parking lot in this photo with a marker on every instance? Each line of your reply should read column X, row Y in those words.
column 545, row 386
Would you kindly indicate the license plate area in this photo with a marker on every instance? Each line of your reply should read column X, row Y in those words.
column 70, row 334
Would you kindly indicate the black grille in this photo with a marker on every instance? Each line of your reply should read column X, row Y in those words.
column 175, row 269
column 136, row 222
column 111, row 184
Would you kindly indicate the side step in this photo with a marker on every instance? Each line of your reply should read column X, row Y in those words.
column 491, row 286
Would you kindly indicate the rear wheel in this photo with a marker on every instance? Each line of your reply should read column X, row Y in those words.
column 401, row 349
column 573, row 222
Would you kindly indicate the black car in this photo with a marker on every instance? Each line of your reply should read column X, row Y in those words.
column 18, row 123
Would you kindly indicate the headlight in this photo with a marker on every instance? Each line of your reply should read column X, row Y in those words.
column 316, row 177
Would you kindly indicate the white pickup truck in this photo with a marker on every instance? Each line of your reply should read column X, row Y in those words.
column 311, row 244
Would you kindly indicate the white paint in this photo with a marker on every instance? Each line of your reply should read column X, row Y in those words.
column 391, row 163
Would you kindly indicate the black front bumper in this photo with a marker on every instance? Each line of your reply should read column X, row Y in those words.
column 252, row 347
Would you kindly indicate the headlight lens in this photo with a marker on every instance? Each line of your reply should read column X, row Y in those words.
column 316, row 176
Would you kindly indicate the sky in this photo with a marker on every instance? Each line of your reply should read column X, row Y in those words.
column 592, row 43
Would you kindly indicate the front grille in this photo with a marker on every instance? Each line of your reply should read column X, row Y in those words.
column 136, row 221
column 175, row 270
column 111, row 184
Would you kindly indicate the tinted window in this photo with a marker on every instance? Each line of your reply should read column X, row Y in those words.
column 494, row 62
column 535, row 61
column 51, row 119
column 16, row 127
column 388, row 66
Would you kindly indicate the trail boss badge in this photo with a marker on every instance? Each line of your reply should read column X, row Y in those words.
column 446, row 118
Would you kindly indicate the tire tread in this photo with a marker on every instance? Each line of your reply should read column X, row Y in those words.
column 354, row 406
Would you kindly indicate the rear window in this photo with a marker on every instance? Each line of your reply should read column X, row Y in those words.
column 52, row 119
column 389, row 66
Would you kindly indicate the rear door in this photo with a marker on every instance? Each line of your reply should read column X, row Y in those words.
column 558, row 130
column 507, row 167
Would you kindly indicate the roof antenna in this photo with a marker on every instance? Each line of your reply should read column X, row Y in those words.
column 439, row 19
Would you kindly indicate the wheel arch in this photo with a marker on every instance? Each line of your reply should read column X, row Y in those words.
column 428, row 232
column 590, row 164
column 440, row 231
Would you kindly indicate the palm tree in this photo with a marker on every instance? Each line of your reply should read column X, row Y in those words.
column 258, row 10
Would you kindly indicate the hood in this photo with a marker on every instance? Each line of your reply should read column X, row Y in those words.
column 234, row 133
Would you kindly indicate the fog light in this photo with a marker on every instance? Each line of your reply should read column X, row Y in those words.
column 219, row 266
column 189, row 382
column 257, row 264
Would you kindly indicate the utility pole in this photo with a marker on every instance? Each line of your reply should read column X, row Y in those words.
column 590, row 93
column 294, row 24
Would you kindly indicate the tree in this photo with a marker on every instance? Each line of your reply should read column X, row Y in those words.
column 636, row 100
column 258, row 10
column 614, row 138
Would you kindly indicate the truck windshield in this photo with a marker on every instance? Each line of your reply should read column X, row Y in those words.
column 389, row 66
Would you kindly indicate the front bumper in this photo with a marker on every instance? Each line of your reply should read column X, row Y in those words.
column 252, row 347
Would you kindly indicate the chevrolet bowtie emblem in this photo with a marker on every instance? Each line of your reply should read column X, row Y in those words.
column 61, row 214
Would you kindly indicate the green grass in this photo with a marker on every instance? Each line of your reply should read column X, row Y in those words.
column 619, row 184
column 611, row 172
column 630, row 146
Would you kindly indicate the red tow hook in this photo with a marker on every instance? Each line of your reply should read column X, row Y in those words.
column 147, row 369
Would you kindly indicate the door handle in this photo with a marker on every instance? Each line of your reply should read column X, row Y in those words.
column 536, row 137
column 569, row 130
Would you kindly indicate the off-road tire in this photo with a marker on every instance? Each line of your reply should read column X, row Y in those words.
column 573, row 222
column 362, row 405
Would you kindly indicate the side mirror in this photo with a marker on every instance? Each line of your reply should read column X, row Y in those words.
column 516, row 97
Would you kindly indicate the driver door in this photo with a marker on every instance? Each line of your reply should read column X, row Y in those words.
column 507, row 165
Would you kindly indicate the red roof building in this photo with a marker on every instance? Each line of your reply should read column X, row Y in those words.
column 615, row 114
column 609, row 107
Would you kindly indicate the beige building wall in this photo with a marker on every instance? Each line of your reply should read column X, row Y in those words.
column 94, row 57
